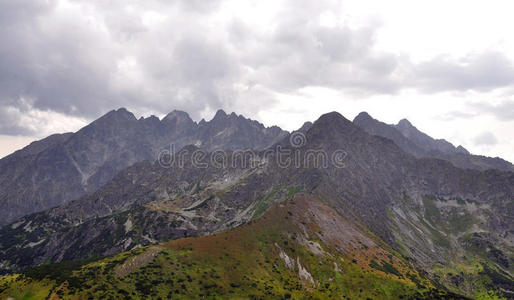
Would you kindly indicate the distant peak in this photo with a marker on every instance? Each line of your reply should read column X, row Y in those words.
column 362, row 116
column 332, row 116
column 332, row 119
column 404, row 123
column 305, row 127
column 150, row 118
column 461, row 149
column 331, row 128
column 120, row 113
column 176, row 114
column 220, row 114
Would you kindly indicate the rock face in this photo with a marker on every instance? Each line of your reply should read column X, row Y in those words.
column 419, row 144
column 64, row 167
column 422, row 140
column 281, row 255
column 439, row 216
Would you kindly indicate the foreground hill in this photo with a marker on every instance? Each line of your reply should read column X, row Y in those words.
column 300, row 248
column 63, row 167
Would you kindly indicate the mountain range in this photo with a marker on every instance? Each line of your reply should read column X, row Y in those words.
column 66, row 166
column 358, row 209
column 419, row 144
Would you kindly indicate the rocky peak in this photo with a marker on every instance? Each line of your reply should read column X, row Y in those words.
column 83, row 161
column 220, row 115
column 119, row 114
column 375, row 127
column 404, row 123
column 334, row 120
column 333, row 116
column 178, row 118
column 423, row 140
column 332, row 125
column 150, row 120
column 461, row 149
column 305, row 127
column 419, row 144
column 363, row 117
column 118, row 122
column 176, row 114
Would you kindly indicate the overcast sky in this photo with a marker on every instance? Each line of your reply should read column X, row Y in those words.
column 447, row 66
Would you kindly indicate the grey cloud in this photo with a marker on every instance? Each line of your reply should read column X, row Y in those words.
column 503, row 111
column 299, row 53
column 60, row 65
column 64, row 63
column 18, row 12
column 457, row 115
column 485, row 138
column 196, row 74
column 480, row 72
column 200, row 6
column 10, row 124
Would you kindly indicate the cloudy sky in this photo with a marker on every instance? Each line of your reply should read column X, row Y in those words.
column 447, row 66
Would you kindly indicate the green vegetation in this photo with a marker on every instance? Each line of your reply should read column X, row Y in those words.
column 473, row 276
column 385, row 267
column 459, row 222
column 246, row 262
column 293, row 191
column 438, row 237
column 431, row 211
column 264, row 202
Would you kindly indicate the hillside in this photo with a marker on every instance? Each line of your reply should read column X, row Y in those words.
column 299, row 248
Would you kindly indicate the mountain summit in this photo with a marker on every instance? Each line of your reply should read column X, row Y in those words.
column 422, row 140
column 419, row 144
column 62, row 168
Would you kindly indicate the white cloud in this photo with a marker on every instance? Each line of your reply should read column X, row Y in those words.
column 485, row 138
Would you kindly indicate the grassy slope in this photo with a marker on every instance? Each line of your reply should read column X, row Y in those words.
column 250, row 261
column 470, row 265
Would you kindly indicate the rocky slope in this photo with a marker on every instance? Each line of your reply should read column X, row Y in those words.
column 64, row 167
column 300, row 248
column 419, row 144
column 454, row 224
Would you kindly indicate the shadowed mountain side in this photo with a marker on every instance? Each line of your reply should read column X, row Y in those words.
column 64, row 167
column 417, row 143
